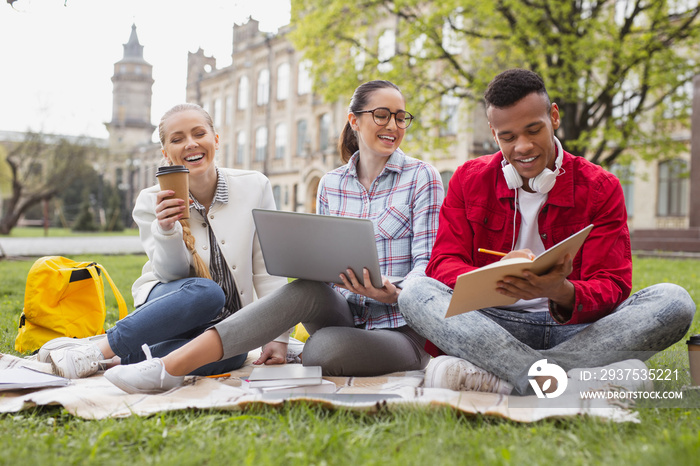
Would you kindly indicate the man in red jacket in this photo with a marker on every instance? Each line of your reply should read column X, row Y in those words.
column 523, row 200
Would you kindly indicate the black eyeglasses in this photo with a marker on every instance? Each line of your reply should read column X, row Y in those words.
column 382, row 115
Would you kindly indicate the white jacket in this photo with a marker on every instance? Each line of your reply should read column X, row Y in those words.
column 169, row 259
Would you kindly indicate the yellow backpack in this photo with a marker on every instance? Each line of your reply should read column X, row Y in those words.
column 63, row 298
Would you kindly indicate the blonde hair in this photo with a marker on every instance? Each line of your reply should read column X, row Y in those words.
column 200, row 268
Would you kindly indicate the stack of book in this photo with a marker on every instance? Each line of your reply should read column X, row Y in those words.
column 293, row 379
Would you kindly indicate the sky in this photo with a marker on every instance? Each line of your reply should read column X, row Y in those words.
column 58, row 55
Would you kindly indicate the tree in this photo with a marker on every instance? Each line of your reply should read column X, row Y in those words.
column 114, row 210
column 85, row 221
column 40, row 167
column 86, row 184
column 620, row 71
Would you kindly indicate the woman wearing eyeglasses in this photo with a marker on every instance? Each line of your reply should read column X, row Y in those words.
column 355, row 330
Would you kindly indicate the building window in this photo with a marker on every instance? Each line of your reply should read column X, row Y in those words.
column 263, row 87
column 229, row 110
column 449, row 105
column 324, row 131
column 283, row 81
column 227, row 162
column 304, row 83
column 119, row 178
column 240, row 148
column 243, row 91
column 625, row 173
column 301, row 138
column 277, row 196
column 673, row 188
column 446, row 176
column 260, row 144
column 217, row 114
column 386, row 49
column 280, row 140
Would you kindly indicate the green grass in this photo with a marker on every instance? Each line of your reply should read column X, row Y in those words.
column 35, row 232
column 312, row 435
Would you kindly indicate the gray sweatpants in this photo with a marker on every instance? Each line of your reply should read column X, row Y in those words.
column 335, row 343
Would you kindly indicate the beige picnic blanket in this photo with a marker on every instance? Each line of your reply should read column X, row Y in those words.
column 96, row 398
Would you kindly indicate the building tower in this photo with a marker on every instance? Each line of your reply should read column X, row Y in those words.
column 131, row 130
column 131, row 99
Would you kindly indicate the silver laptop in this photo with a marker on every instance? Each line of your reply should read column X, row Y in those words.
column 317, row 247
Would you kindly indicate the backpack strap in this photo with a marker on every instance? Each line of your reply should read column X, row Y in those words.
column 120, row 299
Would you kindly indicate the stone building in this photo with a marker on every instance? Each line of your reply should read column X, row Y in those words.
column 267, row 116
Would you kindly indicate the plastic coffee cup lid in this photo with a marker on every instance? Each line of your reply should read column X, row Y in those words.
column 694, row 340
column 171, row 169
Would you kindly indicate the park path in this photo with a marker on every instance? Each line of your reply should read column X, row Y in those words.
column 43, row 246
column 64, row 246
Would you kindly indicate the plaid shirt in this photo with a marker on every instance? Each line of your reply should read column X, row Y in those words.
column 403, row 203
column 218, row 269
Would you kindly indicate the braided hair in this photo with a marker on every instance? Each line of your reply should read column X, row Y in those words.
column 200, row 268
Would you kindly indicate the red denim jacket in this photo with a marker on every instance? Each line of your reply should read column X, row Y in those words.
column 478, row 212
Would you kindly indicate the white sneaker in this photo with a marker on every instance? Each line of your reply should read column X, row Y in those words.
column 147, row 376
column 461, row 375
column 76, row 362
column 630, row 374
column 65, row 342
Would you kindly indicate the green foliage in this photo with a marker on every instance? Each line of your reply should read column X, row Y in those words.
column 619, row 71
column 114, row 211
column 87, row 183
column 85, row 220
column 5, row 174
column 41, row 166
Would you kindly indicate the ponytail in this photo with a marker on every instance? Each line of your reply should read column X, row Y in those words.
column 200, row 268
column 347, row 143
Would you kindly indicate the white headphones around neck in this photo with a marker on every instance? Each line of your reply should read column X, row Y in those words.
column 542, row 183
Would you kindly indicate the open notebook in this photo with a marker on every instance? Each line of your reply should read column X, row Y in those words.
column 477, row 289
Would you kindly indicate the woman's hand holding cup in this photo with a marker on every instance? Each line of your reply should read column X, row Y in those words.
column 169, row 209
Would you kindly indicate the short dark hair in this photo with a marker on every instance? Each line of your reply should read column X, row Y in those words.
column 510, row 86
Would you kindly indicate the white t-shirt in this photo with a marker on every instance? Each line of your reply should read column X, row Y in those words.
column 529, row 205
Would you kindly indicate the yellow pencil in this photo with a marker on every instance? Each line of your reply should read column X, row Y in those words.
column 218, row 375
column 488, row 251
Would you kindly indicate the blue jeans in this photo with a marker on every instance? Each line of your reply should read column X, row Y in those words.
column 174, row 313
column 507, row 343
